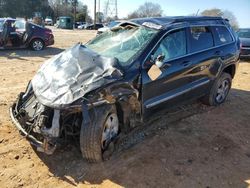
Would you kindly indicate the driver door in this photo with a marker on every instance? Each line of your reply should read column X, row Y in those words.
column 167, row 87
column 17, row 32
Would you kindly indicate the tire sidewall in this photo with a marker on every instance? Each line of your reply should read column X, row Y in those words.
column 224, row 76
column 94, row 132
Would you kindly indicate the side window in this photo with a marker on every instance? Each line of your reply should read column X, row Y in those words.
column 172, row 46
column 19, row 25
column 222, row 35
column 200, row 38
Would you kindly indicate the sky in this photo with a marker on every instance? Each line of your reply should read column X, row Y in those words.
column 240, row 8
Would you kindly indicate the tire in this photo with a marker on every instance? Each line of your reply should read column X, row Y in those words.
column 91, row 134
column 219, row 91
column 37, row 44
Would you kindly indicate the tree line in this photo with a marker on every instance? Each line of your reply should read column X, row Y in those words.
column 43, row 8
column 24, row 8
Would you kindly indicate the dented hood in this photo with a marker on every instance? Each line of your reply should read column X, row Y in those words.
column 70, row 75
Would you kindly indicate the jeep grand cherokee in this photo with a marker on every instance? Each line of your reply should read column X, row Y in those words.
column 98, row 90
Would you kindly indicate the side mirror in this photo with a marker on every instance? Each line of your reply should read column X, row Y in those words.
column 159, row 60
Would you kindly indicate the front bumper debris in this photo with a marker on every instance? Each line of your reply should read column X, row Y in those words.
column 46, row 145
column 31, row 138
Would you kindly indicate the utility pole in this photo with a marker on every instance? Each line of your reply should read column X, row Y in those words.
column 116, row 11
column 111, row 10
column 99, row 2
column 75, row 4
column 94, row 14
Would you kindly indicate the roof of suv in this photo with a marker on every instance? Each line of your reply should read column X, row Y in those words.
column 163, row 21
column 3, row 19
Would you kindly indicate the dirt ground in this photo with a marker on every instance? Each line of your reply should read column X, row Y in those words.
column 194, row 146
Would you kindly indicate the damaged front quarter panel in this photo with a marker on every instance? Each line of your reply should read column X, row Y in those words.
column 125, row 96
column 71, row 90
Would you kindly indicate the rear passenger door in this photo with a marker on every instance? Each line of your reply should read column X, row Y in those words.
column 225, row 44
column 204, row 60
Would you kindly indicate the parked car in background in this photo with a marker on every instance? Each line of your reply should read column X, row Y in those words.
column 244, row 35
column 77, row 24
column 64, row 22
column 22, row 34
column 48, row 21
column 83, row 26
column 97, row 26
column 108, row 26
column 96, row 91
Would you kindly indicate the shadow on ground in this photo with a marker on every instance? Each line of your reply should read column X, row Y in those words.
column 188, row 146
column 22, row 54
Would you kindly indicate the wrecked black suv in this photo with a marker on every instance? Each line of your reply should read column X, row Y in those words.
column 99, row 90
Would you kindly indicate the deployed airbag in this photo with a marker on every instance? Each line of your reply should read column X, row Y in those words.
column 71, row 74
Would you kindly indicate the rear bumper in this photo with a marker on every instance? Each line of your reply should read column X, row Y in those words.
column 50, row 41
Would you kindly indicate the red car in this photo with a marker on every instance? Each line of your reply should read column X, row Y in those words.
column 22, row 34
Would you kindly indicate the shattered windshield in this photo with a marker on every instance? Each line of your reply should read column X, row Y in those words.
column 122, row 42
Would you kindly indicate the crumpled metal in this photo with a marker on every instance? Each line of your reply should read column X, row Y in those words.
column 71, row 74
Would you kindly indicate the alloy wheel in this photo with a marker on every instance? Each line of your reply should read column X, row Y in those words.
column 37, row 45
column 110, row 130
column 222, row 91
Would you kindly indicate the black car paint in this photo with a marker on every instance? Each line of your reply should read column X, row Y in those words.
column 136, row 96
column 181, row 82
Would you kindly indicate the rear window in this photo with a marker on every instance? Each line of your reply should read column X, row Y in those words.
column 222, row 35
column 201, row 38
column 244, row 33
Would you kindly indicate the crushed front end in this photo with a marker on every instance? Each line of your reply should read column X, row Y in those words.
column 44, row 126
column 50, row 109
column 38, row 123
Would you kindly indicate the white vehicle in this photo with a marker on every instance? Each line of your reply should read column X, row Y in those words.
column 83, row 26
column 107, row 27
column 48, row 21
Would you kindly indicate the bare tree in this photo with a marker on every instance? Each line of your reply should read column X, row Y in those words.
column 232, row 19
column 212, row 12
column 148, row 9
column 222, row 13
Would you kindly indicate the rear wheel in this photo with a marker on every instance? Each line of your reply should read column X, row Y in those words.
column 37, row 44
column 97, row 138
column 219, row 91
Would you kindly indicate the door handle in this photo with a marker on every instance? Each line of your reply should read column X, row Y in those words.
column 186, row 63
column 166, row 65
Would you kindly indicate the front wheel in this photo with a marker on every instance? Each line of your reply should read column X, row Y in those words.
column 37, row 44
column 97, row 137
column 219, row 91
